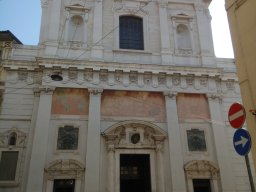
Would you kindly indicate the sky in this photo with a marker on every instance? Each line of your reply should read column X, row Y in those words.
column 23, row 17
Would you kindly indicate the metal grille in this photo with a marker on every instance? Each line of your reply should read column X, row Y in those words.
column 67, row 138
column 196, row 140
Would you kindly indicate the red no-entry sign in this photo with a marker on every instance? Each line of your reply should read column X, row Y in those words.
column 236, row 115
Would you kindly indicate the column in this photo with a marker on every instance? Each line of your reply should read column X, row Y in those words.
column 175, row 144
column 97, row 49
column 221, row 146
column 111, row 162
column 159, row 165
column 40, row 142
column 92, row 173
column 165, row 37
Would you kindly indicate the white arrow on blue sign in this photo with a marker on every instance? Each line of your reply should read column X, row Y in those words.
column 242, row 142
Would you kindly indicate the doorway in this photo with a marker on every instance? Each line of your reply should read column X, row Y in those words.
column 202, row 185
column 135, row 173
column 64, row 185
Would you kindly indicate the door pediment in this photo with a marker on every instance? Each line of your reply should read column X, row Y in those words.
column 134, row 134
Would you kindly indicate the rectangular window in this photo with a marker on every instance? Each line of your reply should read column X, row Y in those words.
column 200, row 185
column 8, row 165
column 131, row 33
column 196, row 140
column 67, row 138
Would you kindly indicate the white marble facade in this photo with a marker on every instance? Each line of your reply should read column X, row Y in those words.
column 80, row 41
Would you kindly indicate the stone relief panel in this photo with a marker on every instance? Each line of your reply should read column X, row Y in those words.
column 192, row 106
column 133, row 105
column 68, row 101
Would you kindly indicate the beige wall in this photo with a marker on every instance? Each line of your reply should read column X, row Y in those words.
column 242, row 21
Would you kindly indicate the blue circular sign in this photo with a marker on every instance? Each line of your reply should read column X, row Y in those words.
column 242, row 142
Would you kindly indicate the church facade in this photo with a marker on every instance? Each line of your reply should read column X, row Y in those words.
column 119, row 96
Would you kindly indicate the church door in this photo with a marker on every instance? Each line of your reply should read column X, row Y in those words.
column 135, row 173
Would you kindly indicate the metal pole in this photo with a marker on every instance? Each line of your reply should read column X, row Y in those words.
column 249, row 173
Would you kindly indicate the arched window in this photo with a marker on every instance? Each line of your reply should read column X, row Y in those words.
column 183, row 37
column 131, row 33
column 12, row 138
column 76, row 29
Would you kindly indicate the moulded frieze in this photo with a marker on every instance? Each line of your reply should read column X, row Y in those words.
column 88, row 75
column 147, row 78
column 230, row 85
column 162, row 79
column 119, row 77
column 103, row 75
column 140, row 79
column 133, row 77
column 176, row 80
column 190, row 80
column 22, row 75
column 73, row 75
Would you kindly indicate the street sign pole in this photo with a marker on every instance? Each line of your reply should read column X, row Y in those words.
column 249, row 173
column 242, row 138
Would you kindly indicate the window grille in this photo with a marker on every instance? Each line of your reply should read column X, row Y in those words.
column 131, row 33
column 196, row 140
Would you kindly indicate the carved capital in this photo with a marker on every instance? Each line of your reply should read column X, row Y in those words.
column 110, row 141
column 214, row 97
column 36, row 92
column 47, row 90
column 95, row 91
column 170, row 94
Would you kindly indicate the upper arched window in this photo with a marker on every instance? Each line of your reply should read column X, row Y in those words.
column 76, row 29
column 12, row 138
column 131, row 33
column 183, row 37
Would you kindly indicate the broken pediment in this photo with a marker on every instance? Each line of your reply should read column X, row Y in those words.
column 134, row 134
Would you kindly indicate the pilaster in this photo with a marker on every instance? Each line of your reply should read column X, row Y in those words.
column 205, row 34
column 40, row 141
column 52, row 34
column 97, row 49
column 159, row 163
column 31, row 134
column 110, row 139
column 92, row 174
column 164, row 30
column 175, row 144
column 221, row 146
